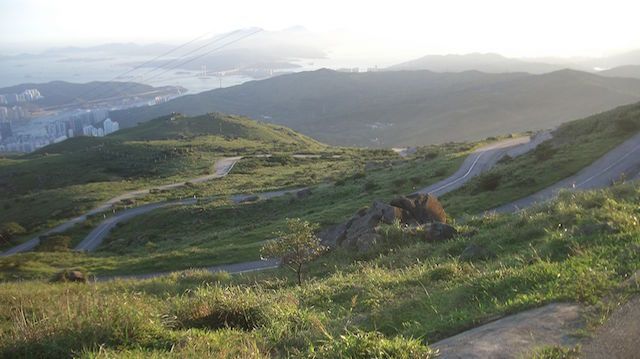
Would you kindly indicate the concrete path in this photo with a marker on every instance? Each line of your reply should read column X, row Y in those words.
column 515, row 335
column 624, row 159
column 484, row 159
column 618, row 337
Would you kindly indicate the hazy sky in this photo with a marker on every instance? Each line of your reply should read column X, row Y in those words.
column 514, row 28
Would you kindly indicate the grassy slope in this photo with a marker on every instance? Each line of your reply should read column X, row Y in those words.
column 68, row 178
column 576, row 144
column 578, row 248
column 217, row 232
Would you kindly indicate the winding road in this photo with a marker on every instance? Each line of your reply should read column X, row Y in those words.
column 483, row 159
column 623, row 160
column 222, row 168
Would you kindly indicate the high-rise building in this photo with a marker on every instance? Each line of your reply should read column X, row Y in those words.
column 5, row 129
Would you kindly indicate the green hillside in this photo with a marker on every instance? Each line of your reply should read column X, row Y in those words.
column 64, row 179
column 407, row 108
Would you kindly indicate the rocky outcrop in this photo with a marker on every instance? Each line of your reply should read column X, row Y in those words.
column 359, row 232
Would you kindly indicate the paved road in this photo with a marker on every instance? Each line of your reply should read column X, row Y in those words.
column 515, row 335
column 95, row 237
column 484, row 159
column 222, row 168
column 624, row 159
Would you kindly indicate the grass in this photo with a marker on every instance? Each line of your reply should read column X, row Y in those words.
column 216, row 231
column 65, row 179
column 575, row 145
column 390, row 302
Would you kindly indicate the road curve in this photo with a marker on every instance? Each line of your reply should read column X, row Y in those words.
column 221, row 168
column 623, row 160
column 484, row 159
column 479, row 161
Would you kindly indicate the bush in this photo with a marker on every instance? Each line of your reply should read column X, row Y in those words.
column 488, row 182
column 627, row 124
column 217, row 308
column 54, row 243
column 544, row 151
column 372, row 345
column 8, row 231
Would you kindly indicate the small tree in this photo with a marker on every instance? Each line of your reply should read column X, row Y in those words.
column 9, row 230
column 296, row 247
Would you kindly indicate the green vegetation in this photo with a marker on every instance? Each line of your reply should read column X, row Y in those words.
column 218, row 231
column 66, row 179
column 390, row 302
column 575, row 145
column 296, row 247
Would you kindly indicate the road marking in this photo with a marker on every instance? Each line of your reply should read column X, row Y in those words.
column 609, row 167
column 463, row 177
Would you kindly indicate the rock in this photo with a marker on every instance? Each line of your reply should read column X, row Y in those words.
column 422, row 208
column 367, row 241
column 333, row 236
column 371, row 218
column 475, row 252
column 70, row 276
column 303, row 193
column 76, row 276
column 438, row 231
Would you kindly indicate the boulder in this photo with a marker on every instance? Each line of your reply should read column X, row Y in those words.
column 70, row 276
column 422, row 208
column 367, row 221
column 475, row 252
column 367, row 241
column 438, row 232
column 334, row 235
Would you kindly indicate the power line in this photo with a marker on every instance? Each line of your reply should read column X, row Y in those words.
column 108, row 85
column 148, row 80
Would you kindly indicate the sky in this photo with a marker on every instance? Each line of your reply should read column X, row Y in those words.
column 408, row 28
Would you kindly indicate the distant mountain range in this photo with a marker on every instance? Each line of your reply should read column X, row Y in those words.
column 496, row 63
column 622, row 71
column 492, row 63
column 407, row 107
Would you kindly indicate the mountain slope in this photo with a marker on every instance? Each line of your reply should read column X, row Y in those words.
column 407, row 107
column 492, row 63
column 631, row 71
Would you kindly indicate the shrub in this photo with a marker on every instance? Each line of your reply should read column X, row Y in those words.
column 544, row 151
column 54, row 243
column 8, row 231
column 505, row 159
column 217, row 308
column 372, row 345
column 627, row 124
column 488, row 181
column 296, row 247
column 71, row 275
